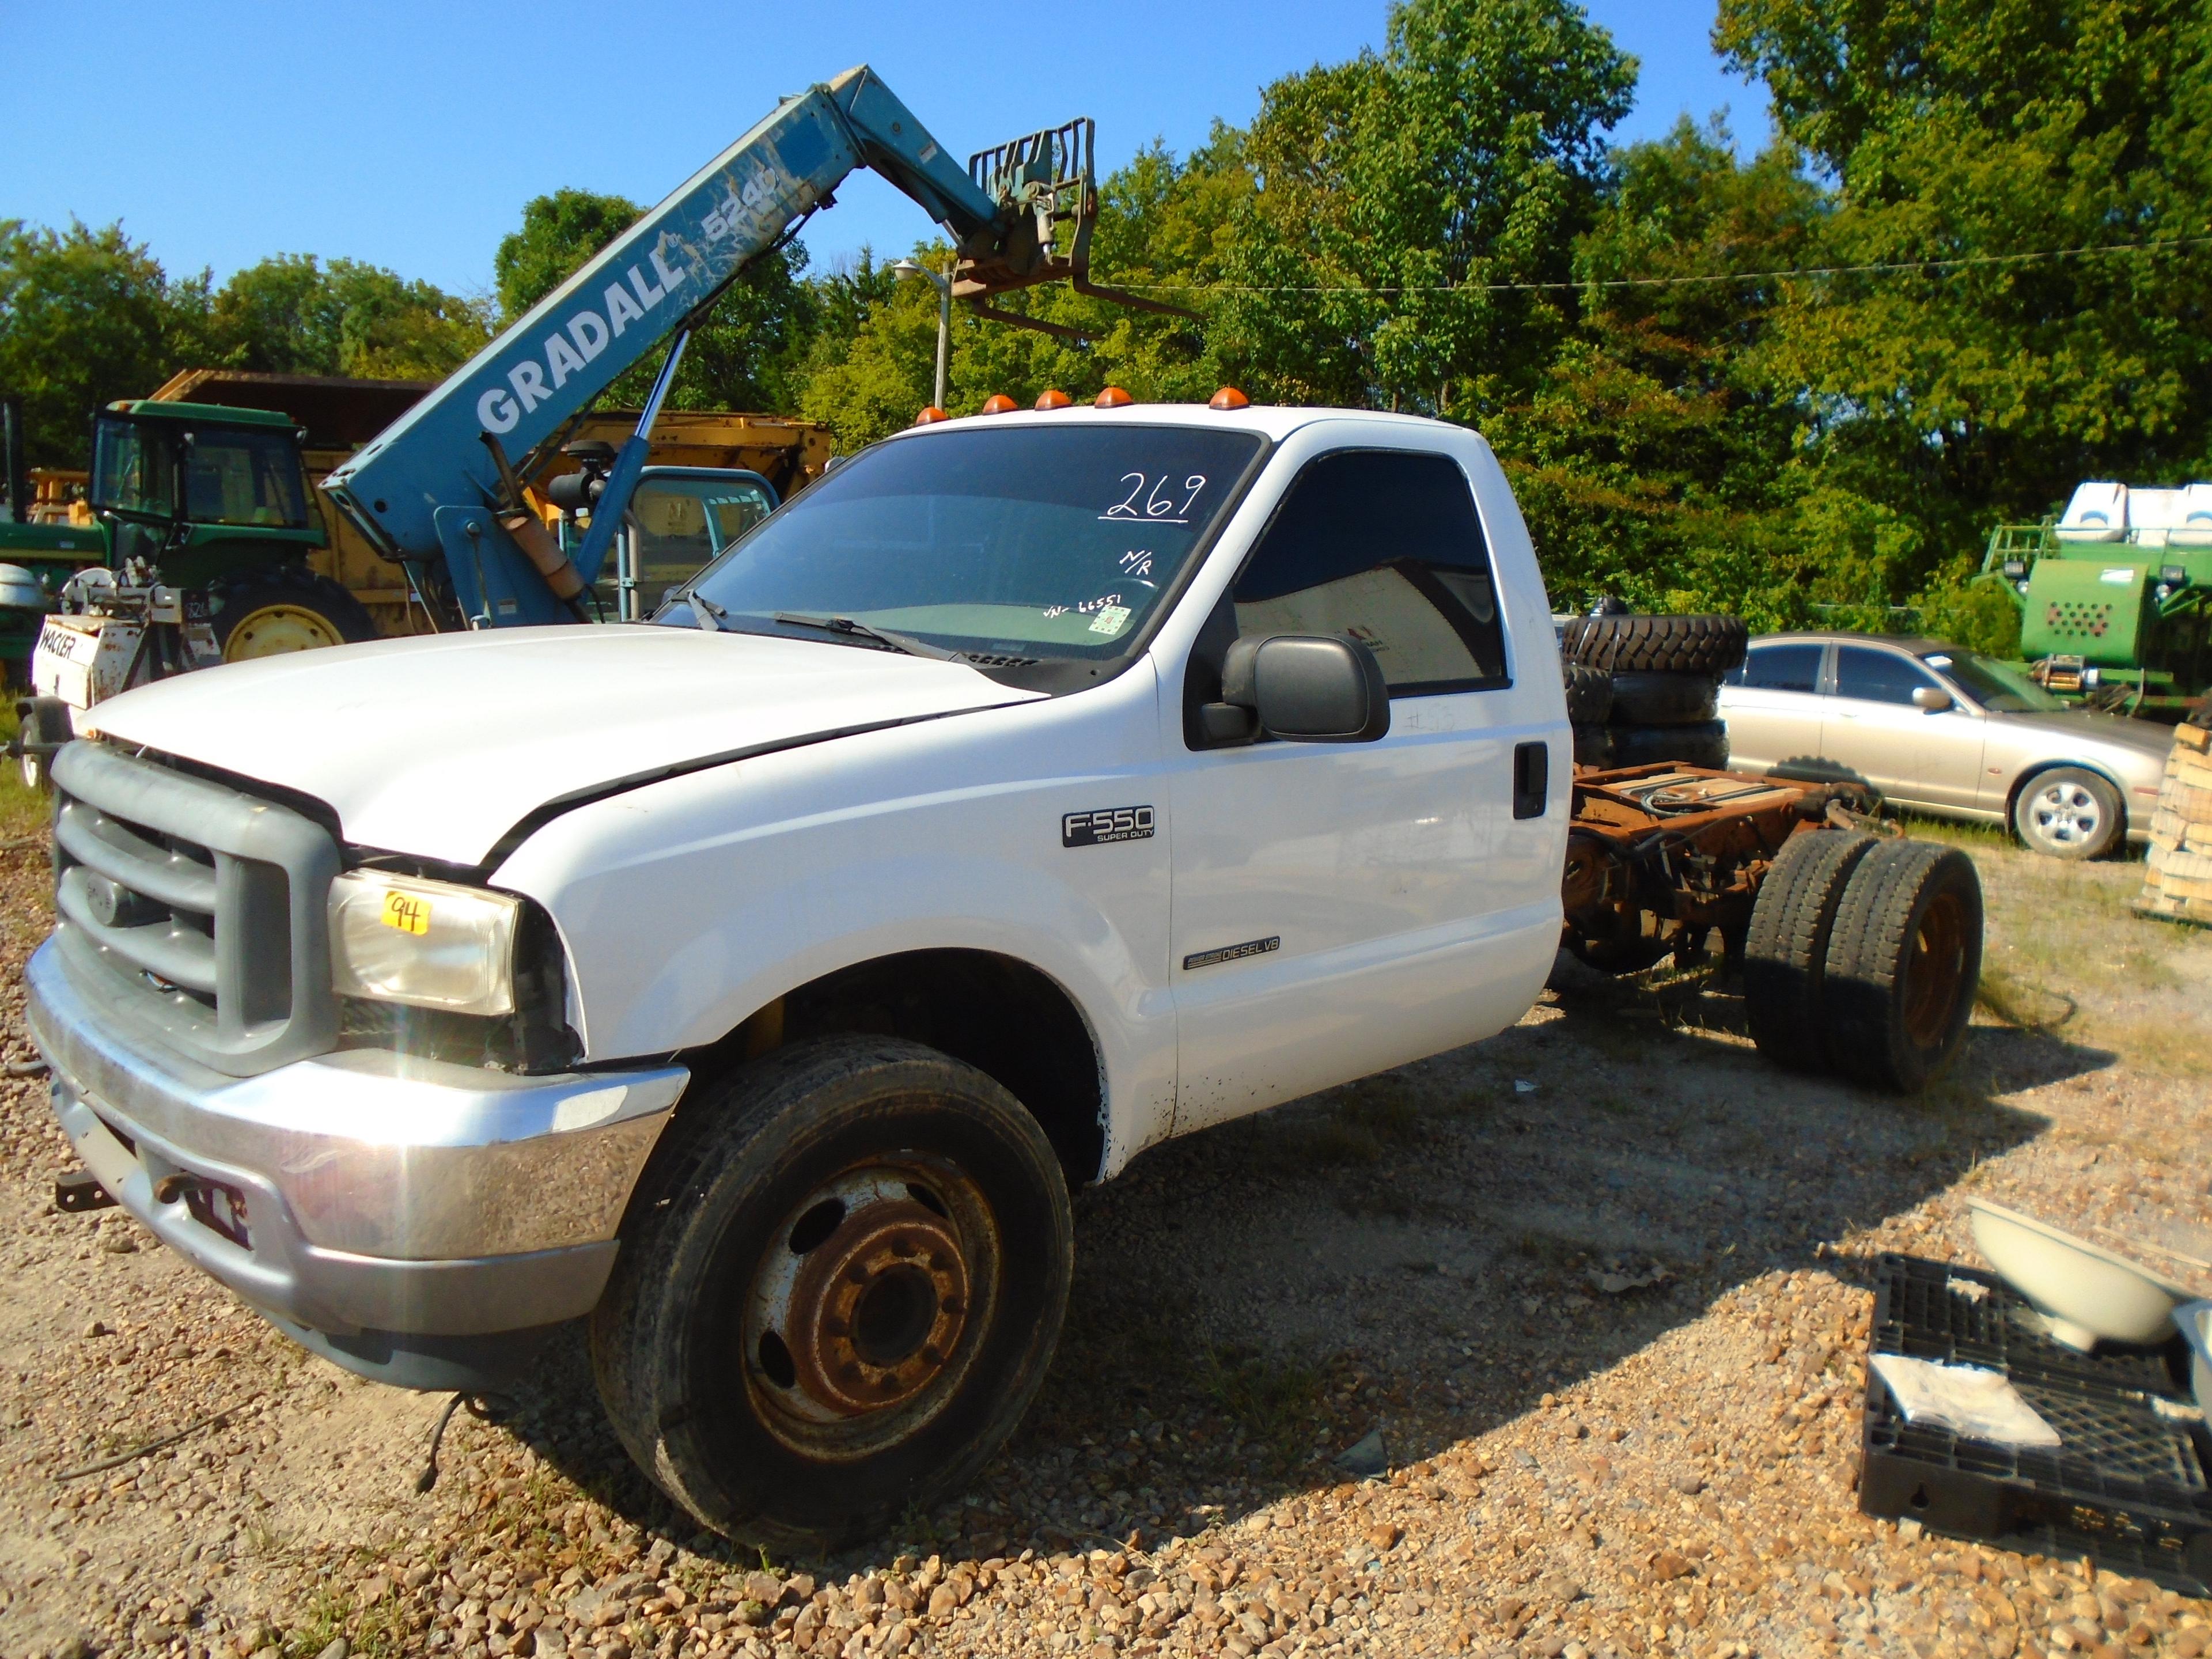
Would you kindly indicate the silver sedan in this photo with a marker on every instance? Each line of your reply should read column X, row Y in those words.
column 1945, row 732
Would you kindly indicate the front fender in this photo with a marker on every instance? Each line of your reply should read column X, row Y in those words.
column 688, row 905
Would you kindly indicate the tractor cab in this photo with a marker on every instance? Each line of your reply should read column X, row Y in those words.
column 203, row 491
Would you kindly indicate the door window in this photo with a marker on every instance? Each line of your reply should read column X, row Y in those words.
column 1781, row 668
column 1875, row 676
column 1384, row 547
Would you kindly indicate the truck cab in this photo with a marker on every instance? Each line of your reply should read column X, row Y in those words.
column 756, row 981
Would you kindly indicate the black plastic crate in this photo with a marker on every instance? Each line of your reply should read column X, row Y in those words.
column 2128, row 1486
column 1918, row 1313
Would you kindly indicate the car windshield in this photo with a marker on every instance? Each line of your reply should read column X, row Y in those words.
column 1998, row 687
column 1032, row 542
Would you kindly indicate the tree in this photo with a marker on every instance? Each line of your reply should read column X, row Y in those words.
column 1936, row 399
column 1649, row 465
column 1396, row 195
column 559, row 232
column 291, row 315
column 87, row 317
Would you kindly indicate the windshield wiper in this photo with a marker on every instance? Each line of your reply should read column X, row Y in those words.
column 708, row 615
column 861, row 630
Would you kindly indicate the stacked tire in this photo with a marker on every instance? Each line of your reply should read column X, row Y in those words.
column 1864, row 958
column 2178, row 877
column 1644, row 689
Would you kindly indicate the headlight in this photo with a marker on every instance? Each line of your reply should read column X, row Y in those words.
column 429, row 944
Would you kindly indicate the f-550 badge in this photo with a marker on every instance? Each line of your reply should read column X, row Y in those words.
column 1105, row 824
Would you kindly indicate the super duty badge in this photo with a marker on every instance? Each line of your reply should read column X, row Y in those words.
column 1105, row 823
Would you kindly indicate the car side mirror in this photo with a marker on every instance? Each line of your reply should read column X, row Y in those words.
column 1933, row 698
column 1302, row 688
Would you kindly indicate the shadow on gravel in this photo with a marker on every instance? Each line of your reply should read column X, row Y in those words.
column 1424, row 1253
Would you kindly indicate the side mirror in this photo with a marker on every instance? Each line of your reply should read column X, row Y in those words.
column 1933, row 698
column 1306, row 688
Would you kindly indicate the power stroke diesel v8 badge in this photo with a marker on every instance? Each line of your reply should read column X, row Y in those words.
column 1105, row 823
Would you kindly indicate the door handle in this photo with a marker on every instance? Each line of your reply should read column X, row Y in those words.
column 1531, row 779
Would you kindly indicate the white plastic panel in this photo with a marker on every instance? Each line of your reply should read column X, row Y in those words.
column 2098, row 513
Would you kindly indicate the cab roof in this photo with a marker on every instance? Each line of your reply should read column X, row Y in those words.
column 1273, row 421
column 203, row 414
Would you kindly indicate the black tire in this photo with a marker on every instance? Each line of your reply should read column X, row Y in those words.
column 1594, row 745
column 1704, row 744
column 1785, row 954
column 284, row 608
column 1665, row 699
column 1589, row 694
column 1904, row 959
column 2068, row 812
column 1632, row 644
column 965, row 1228
column 43, row 720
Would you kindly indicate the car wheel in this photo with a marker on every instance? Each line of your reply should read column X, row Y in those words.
column 2068, row 812
column 838, row 1291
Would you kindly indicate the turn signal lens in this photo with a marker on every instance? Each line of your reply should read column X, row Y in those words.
column 1054, row 399
column 931, row 416
column 1114, row 398
column 1228, row 398
column 998, row 404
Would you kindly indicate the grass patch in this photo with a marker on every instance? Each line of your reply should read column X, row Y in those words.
column 2065, row 954
column 1277, row 1402
column 23, row 812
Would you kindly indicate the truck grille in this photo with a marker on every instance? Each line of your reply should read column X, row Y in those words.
column 195, row 912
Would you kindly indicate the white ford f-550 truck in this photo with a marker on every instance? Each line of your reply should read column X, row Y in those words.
column 756, row 981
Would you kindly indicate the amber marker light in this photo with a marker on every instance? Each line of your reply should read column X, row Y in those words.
column 931, row 417
column 998, row 404
column 1054, row 398
column 1228, row 398
column 1114, row 398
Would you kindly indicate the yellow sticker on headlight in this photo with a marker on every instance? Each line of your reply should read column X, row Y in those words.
column 409, row 912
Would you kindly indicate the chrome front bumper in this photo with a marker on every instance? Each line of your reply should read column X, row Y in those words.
column 401, row 1216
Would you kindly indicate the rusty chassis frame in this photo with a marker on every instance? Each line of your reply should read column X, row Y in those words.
column 1659, row 857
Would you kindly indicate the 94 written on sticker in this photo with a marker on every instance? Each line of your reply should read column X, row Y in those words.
column 1103, row 825
column 409, row 912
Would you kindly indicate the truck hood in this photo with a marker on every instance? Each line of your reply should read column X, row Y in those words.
column 438, row 747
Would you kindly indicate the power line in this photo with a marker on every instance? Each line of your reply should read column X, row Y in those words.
column 1956, row 262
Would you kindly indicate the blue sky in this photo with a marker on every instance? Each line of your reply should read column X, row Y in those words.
column 409, row 134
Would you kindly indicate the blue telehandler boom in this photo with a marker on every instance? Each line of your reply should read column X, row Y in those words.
column 437, row 490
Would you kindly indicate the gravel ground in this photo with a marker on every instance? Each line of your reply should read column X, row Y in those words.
column 1589, row 1300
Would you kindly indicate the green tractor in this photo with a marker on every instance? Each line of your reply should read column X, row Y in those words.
column 205, row 529
column 2115, row 597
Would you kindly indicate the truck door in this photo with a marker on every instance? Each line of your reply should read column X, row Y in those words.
column 1332, row 901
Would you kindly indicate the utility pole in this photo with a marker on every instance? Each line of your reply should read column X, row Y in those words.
column 911, row 268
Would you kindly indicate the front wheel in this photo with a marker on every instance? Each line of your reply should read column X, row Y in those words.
column 285, row 609
column 2068, row 812
column 838, row 1291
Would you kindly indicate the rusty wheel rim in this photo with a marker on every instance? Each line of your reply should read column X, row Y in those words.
column 868, row 1304
column 1934, row 971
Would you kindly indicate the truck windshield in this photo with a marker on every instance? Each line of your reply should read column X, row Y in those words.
column 228, row 476
column 1996, row 686
column 1031, row 542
